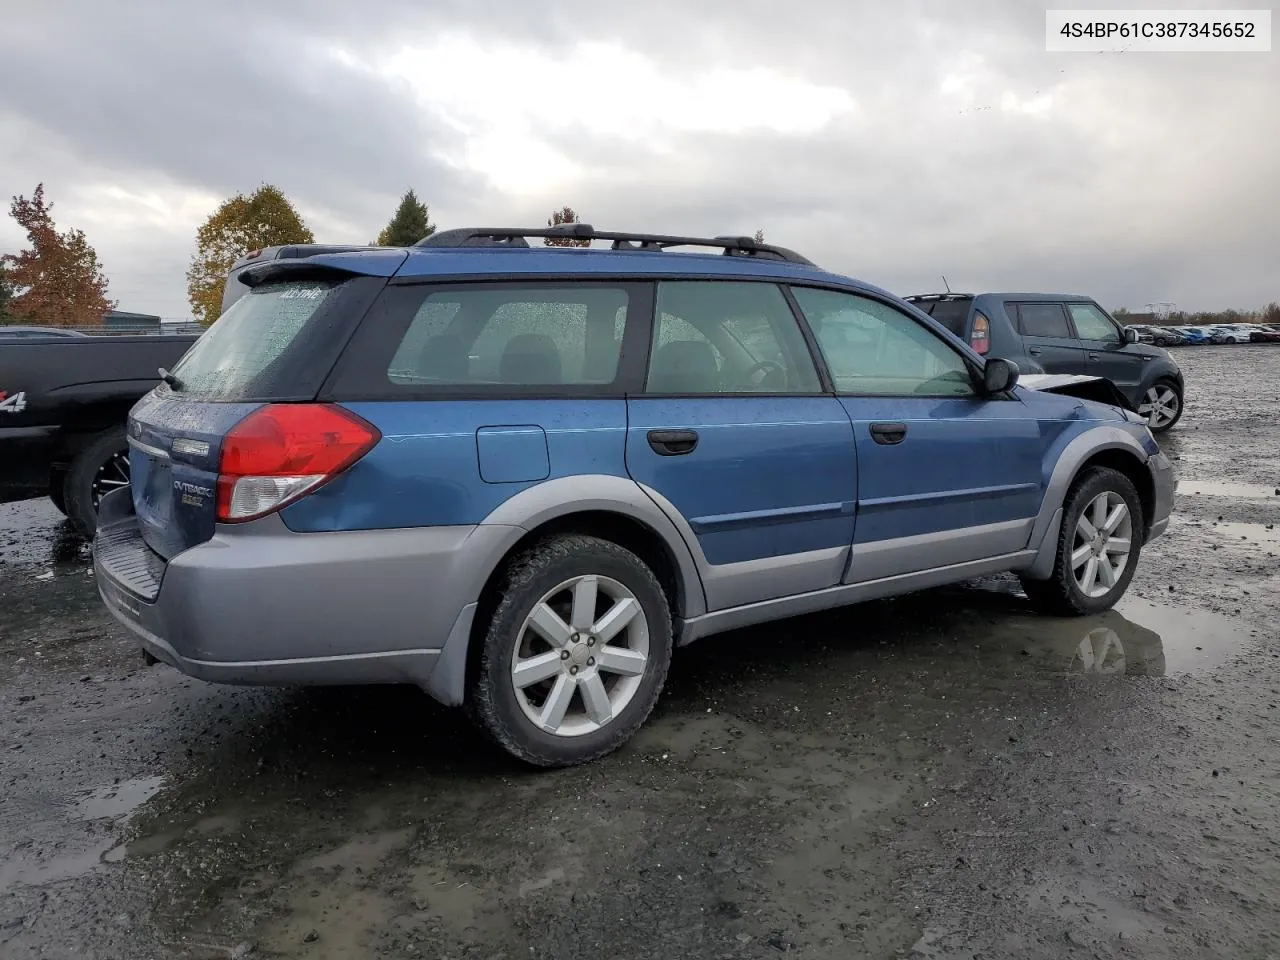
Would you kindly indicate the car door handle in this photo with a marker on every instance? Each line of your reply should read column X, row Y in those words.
column 1034, row 351
column 1094, row 356
column 888, row 433
column 672, row 443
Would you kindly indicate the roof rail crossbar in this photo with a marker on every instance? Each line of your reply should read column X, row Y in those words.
column 518, row 237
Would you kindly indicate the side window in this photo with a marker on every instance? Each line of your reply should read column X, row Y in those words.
column 726, row 337
column 873, row 349
column 484, row 338
column 1092, row 324
column 1043, row 320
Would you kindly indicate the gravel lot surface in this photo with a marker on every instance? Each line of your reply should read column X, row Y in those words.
column 945, row 775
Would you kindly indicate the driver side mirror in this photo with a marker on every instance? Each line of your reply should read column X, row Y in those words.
column 999, row 375
column 1130, row 335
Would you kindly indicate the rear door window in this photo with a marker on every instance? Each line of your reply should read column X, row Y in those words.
column 717, row 336
column 1043, row 320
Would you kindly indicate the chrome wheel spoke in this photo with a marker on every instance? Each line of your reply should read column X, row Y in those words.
column 557, row 703
column 536, row 669
column 1118, row 513
column 1106, row 572
column 1090, row 575
column 1098, row 511
column 583, row 615
column 1085, row 529
column 629, row 663
column 596, row 699
column 1117, row 545
column 1080, row 555
column 615, row 619
column 547, row 624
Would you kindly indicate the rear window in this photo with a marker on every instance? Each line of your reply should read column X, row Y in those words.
column 952, row 314
column 235, row 358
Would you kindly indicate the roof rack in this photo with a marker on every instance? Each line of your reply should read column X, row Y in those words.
column 517, row 237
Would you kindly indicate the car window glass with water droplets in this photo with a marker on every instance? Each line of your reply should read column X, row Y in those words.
column 253, row 333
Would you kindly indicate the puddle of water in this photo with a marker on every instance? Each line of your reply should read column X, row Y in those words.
column 33, row 532
column 34, row 866
column 1137, row 638
column 1260, row 533
column 1229, row 488
column 36, row 870
column 116, row 800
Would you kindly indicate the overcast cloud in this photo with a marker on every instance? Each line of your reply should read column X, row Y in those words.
column 893, row 142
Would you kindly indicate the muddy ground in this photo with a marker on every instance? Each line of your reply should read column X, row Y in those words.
column 945, row 775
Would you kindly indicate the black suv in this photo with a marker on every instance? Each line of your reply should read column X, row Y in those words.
column 1064, row 333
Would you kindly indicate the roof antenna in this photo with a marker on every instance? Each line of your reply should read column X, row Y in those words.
column 945, row 284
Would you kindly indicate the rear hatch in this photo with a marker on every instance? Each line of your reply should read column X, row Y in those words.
column 275, row 345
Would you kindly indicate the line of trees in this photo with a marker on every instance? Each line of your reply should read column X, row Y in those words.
column 58, row 279
column 1203, row 318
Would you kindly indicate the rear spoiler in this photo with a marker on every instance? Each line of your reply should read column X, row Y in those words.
column 1097, row 389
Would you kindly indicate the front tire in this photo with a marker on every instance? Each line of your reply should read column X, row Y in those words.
column 1098, row 546
column 1161, row 405
column 575, row 654
column 101, row 465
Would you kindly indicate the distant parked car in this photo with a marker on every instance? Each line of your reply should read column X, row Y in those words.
column 1263, row 333
column 1199, row 335
column 1064, row 333
column 29, row 333
column 1231, row 332
column 1168, row 337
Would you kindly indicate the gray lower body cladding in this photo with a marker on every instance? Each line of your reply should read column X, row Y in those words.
column 269, row 606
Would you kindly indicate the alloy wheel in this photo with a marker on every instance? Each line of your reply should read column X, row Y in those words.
column 1160, row 405
column 112, row 475
column 1101, row 546
column 581, row 656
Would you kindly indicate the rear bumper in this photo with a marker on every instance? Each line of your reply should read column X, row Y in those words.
column 259, row 604
column 1164, row 485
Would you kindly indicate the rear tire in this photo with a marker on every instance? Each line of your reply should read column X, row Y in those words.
column 1080, row 583
column 99, row 467
column 560, row 680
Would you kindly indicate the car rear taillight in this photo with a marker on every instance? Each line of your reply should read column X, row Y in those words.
column 980, row 339
column 282, row 451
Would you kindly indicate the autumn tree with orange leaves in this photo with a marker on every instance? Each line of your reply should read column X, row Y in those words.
column 58, row 282
column 564, row 215
column 265, row 218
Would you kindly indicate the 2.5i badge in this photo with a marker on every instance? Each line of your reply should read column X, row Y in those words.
column 13, row 404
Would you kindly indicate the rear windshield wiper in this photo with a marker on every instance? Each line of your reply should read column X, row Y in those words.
column 173, row 382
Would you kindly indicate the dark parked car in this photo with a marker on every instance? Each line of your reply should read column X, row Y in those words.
column 1064, row 333
column 1168, row 337
column 63, row 403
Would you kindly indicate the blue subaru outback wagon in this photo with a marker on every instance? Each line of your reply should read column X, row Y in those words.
column 517, row 475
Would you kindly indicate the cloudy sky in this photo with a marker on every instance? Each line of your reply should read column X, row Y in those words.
column 894, row 142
